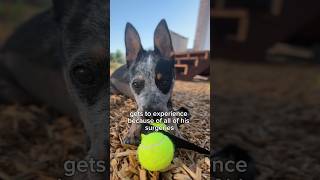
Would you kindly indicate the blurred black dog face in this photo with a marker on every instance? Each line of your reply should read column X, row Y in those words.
column 84, row 27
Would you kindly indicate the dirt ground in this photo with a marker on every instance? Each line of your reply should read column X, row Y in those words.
column 273, row 112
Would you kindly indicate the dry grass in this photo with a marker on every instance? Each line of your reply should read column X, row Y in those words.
column 186, row 165
column 35, row 142
column 33, row 148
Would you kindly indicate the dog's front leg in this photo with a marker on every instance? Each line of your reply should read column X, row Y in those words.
column 133, row 136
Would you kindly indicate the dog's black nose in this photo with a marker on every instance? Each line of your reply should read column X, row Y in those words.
column 151, row 109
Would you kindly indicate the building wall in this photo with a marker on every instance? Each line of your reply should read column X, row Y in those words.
column 179, row 42
column 202, row 36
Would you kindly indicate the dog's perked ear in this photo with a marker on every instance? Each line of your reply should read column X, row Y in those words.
column 133, row 44
column 162, row 40
column 61, row 7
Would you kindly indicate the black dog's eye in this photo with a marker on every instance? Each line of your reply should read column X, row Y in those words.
column 83, row 75
column 138, row 85
column 164, row 85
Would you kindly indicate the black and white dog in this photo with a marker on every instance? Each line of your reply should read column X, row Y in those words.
column 148, row 76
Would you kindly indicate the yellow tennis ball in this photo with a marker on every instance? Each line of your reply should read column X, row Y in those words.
column 155, row 151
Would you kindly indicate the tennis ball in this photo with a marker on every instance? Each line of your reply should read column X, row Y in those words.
column 155, row 151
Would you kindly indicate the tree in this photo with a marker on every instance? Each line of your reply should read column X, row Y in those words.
column 117, row 57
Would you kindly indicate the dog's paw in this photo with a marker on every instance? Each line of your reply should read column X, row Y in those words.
column 131, row 140
column 133, row 136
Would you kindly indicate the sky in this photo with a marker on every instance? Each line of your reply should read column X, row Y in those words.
column 144, row 15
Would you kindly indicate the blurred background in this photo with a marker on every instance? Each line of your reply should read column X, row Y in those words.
column 267, row 83
column 266, row 86
column 14, row 12
column 35, row 140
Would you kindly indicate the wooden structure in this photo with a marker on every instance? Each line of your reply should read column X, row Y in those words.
column 190, row 64
column 247, row 29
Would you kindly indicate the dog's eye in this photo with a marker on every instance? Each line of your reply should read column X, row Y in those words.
column 164, row 85
column 164, row 82
column 83, row 75
column 138, row 85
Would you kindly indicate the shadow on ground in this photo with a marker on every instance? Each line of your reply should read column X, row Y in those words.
column 272, row 111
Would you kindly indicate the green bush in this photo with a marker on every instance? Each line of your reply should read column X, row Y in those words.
column 117, row 57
